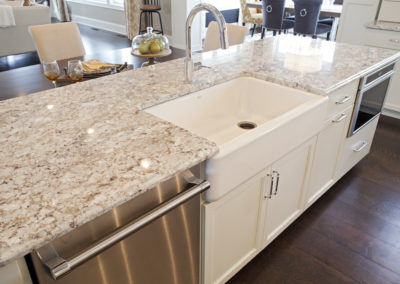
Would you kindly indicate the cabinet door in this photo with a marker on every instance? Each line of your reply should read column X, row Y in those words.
column 231, row 231
column 355, row 14
column 290, row 180
column 326, row 155
column 392, row 102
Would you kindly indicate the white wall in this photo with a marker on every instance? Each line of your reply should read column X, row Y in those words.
column 99, row 17
column 113, row 19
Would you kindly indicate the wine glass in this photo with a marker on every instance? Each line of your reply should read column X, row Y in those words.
column 51, row 70
column 75, row 70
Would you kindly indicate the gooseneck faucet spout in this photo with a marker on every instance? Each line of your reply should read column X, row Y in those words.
column 222, row 33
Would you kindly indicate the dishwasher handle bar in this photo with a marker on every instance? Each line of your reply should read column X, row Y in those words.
column 59, row 266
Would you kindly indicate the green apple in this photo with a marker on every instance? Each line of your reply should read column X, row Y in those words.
column 155, row 47
column 161, row 44
column 144, row 47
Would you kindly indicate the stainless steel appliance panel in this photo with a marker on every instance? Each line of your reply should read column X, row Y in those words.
column 165, row 251
column 370, row 97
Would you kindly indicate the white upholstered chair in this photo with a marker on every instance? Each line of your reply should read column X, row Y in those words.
column 57, row 41
column 251, row 15
column 16, row 39
column 236, row 35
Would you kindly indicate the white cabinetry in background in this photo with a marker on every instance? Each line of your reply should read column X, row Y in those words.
column 391, row 40
column 355, row 14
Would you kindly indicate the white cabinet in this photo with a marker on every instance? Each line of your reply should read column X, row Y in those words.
column 355, row 14
column 356, row 147
column 230, row 230
column 15, row 272
column 287, row 182
column 389, row 11
column 391, row 40
column 327, row 149
column 240, row 224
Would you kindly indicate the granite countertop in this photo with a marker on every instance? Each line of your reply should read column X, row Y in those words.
column 73, row 153
column 381, row 25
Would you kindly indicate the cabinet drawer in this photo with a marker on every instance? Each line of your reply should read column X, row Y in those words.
column 342, row 98
column 382, row 38
column 356, row 147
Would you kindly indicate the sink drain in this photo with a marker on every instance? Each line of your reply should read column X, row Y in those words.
column 247, row 125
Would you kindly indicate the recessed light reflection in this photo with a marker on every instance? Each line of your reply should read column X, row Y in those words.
column 145, row 163
column 50, row 106
column 90, row 131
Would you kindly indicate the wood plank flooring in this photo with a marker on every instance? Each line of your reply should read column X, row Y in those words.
column 94, row 40
column 351, row 234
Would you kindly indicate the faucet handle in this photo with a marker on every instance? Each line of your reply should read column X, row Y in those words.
column 199, row 65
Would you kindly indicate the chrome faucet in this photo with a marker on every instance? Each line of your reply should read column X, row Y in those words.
column 223, row 34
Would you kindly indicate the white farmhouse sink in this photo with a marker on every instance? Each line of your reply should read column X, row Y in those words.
column 283, row 118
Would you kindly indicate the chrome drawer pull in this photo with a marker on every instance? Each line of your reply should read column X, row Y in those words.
column 395, row 41
column 270, row 188
column 341, row 118
column 345, row 99
column 277, row 182
column 59, row 266
column 362, row 146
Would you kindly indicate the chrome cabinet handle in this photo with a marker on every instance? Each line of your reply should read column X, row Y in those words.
column 59, row 266
column 341, row 118
column 362, row 146
column 395, row 41
column 345, row 99
column 266, row 195
column 277, row 181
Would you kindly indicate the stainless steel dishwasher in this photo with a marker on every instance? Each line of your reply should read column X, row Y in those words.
column 154, row 238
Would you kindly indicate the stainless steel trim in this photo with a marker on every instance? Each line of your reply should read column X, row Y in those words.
column 59, row 266
column 363, row 88
column 277, row 181
column 361, row 147
column 345, row 99
column 378, row 80
column 341, row 118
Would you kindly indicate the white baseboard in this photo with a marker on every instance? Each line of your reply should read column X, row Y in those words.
column 391, row 113
column 95, row 23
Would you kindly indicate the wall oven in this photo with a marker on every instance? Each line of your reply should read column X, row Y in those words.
column 370, row 97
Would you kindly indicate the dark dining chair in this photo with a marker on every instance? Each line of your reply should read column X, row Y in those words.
column 273, row 17
column 148, row 8
column 306, row 19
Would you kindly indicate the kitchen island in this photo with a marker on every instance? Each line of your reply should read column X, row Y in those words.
column 73, row 153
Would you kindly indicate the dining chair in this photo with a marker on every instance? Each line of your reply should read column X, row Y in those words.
column 273, row 17
column 236, row 35
column 306, row 19
column 250, row 16
column 148, row 8
column 57, row 41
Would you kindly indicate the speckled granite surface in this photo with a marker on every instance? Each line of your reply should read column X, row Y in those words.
column 73, row 153
column 388, row 26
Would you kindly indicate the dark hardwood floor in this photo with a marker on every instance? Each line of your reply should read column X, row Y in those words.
column 351, row 234
column 94, row 40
